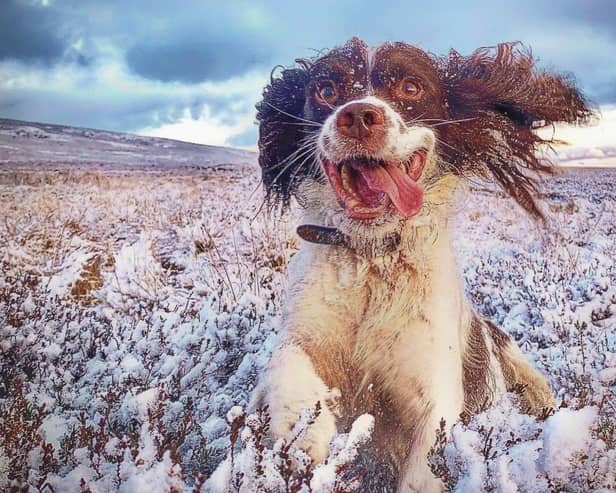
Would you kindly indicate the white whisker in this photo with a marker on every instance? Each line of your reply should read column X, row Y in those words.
column 290, row 115
column 306, row 152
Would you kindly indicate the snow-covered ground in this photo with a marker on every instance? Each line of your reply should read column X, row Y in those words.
column 138, row 307
column 24, row 144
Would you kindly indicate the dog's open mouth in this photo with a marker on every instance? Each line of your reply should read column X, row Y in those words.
column 367, row 188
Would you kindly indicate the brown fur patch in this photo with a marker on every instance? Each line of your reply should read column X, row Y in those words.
column 500, row 340
column 476, row 376
column 535, row 392
column 483, row 107
column 396, row 436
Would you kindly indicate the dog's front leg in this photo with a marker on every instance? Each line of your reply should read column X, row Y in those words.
column 289, row 386
column 311, row 363
column 416, row 475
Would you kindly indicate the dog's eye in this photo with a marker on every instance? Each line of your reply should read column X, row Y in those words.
column 326, row 92
column 410, row 89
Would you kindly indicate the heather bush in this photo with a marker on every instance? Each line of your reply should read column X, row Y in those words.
column 138, row 310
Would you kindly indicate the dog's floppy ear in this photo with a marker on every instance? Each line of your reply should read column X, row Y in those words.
column 279, row 114
column 499, row 97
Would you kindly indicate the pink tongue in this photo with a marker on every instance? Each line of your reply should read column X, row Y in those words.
column 405, row 193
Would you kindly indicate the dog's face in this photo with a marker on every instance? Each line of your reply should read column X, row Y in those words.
column 372, row 145
column 365, row 135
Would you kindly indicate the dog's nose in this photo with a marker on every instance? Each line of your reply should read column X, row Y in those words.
column 359, row 120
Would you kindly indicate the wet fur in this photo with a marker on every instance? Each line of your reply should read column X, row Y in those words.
column 497, row 95
column 389, row 332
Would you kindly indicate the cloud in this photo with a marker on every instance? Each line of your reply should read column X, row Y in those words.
column 602, row 133
column 600, row 15
column 30, row 31
column 206, row 130
column 109, row 96
column 155, row 64
column 206, row 41
column 194, row 56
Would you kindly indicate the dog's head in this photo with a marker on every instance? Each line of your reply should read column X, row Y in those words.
column 365, row 136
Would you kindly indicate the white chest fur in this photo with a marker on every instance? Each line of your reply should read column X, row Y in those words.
column 397, row 322
column 394, row 327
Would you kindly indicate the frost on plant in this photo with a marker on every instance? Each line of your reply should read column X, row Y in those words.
column 283, row 467
column 138, row 310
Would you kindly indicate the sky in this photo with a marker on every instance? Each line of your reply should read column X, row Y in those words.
column 193, row 70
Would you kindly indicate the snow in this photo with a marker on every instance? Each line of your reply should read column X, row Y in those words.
column 327, row 475
column 140, row 306
column 61, row 147
column 608, row 376
column 565, row 434
column 503, row 450
column 52, row 429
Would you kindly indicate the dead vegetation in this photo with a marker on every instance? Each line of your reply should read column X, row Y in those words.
column 137, row 309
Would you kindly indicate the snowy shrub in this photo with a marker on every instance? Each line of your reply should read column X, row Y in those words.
column 137, row 311
column 285, row 468
column 502, row 450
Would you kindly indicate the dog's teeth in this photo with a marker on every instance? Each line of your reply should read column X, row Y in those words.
column 345, row 174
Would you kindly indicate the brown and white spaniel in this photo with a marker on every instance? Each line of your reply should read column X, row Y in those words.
column 372, row 143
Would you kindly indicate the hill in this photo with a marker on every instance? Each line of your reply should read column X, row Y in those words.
column 41, row 144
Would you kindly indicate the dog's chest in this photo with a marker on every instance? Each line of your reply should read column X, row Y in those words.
column 410, row 332
column 397, row 324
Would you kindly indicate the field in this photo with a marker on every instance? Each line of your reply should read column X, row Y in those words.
column 138, row 306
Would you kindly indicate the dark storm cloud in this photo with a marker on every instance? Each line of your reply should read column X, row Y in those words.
column 597, row 14
column 30, row 31
column 210, row 41
column 193, row 57
column 178, row 45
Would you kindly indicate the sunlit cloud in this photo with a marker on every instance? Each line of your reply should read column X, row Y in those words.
column 600, row 133
column 196, row 72
column 208, row 112
column 205, row 130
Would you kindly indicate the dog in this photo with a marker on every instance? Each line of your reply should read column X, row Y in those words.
column 372, row 143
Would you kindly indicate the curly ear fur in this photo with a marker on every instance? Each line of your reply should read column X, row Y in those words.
column 281, row 132
column 500, row 97
column 495, row 98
